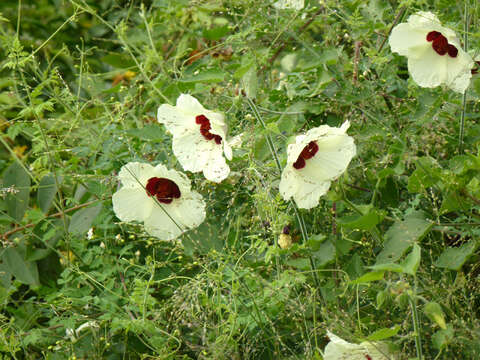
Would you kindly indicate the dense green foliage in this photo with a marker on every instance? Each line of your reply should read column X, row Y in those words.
column 397, row 235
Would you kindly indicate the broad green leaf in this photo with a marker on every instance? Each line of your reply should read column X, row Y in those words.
column 5, row 276
column 402, row 235
column 148, row 132
column 299, row 263
column 46, row 192
column 216, row 33
column 120, row 61
column 384, row 333
column 367, row 221
column 82, row 220
column 411, row 263
column 205, row 76
column 325, row 254
column 443, row 337
column 453, row 258
column 434, row 312
column 16, row 178
column 24, row 271
column 427, row 174
column 369, row 277
column 387, row 267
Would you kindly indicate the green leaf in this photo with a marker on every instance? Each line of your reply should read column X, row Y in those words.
column 119, row 61
column 387, row 267
column 325, row 254
column 205, row 76
column 384, row 333
column 427, row 174
column 24, row 271
column 411, row 263
column 402, row 235
column 250, row 82
column 434, row 312
column 443, row 337
column 367, row 221
column 299, row 263
column 19, row 180
column 148, row 132
column 46, row 192
column 216, row 33
column 453, row 258
column 82, row 220
column 369, row 277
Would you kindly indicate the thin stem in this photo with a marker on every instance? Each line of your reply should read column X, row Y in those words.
column 301, row 222
column 464, row 100
column 56, row 215
column 416, row 322
column 462, row 123
column 254, row 109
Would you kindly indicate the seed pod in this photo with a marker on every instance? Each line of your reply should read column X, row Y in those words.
column 284, row 241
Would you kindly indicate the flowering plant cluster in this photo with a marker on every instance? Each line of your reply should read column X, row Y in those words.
column 162, row 198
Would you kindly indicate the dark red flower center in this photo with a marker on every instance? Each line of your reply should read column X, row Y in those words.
column 440, row 44
column 165, row 190
column 308, row 152
column 205, row 127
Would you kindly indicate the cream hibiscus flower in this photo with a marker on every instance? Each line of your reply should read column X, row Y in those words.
column 314, row 161
column 199, row 137
column 434, row 53
column 159, row 197
column 339, row 349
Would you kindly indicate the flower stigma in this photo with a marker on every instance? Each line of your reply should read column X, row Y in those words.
column 308, row 152
column 165, row 190
column 205, row 127
column 440, row 44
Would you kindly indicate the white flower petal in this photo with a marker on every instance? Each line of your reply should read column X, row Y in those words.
column 193, row 151
column 132, row 204
column 424, row 20
column 190, row 211
column 227, row 150
column 176, row 121
column 190, row 105
column 428, row 70
column 163, row 223
column 339, row 349
column 216, row 169
column 404, row 37
column 305, row 192
column 135, row 174
column 168, row 221
column 460, row 72
column 334, row 155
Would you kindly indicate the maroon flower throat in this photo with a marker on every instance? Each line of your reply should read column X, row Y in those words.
column 308, row 152
column 165, row 190
column 205, row 127
column 440, row 44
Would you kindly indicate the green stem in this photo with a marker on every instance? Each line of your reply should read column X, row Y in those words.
column 464, row 100
column 416, row 322
column 300, row 220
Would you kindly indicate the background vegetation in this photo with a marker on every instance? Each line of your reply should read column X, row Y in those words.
column 80, row 84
